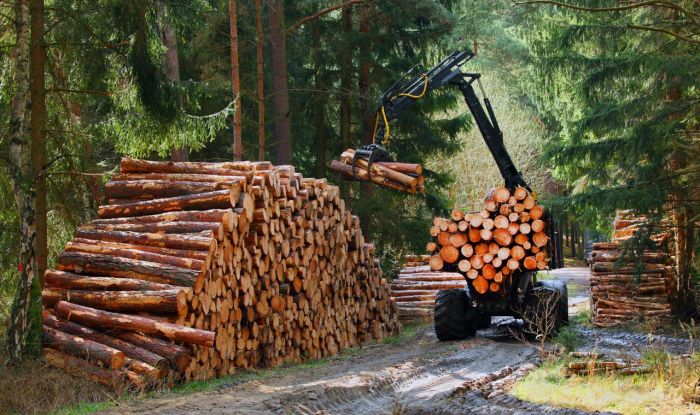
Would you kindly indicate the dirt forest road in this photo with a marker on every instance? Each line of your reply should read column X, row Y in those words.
column 417, row 376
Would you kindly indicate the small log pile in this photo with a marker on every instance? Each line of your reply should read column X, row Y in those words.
column 405, row 177
column 624, row 289
column 415, row 288
column 195, row 269
column 588, row 363
column 508, row 235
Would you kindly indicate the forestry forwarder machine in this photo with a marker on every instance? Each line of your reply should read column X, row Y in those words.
column 460, row 312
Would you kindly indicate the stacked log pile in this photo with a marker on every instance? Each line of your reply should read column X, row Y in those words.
column 405, row 177
column 625, row 286
column 588, row 364
column 488, row 247
column 195, row 269
column 416, row 286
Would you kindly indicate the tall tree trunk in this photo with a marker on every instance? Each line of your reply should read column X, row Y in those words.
column 171, row 68
column 237, row 147
column 319, row 103
column 261, row 91
column 346, row 86
column 682, row 214
column 364, row 78
column 38, row 130
column 23, row 316
column 282, row 129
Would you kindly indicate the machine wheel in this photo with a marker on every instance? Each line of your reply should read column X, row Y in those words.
column 563, row 297
column 454, row 315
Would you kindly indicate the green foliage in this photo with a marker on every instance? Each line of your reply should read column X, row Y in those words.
column 568, row 338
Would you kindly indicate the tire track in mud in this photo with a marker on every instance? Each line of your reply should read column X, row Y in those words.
column 418, row 376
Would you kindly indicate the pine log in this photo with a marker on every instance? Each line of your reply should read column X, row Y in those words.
column 79, row 367
column 197, row 242
column 84, row 348
column 97, row 264
column 225, row 216
column 129, row 349
column 345, row 169
column 158, row 189
column 407, row 168
column 241, row 177
column 179, row 356
column 170, row 228
column 211, row 200
column 135, row 252
column 71, row 281
column 105, row 319
column 129, row 165
column 173, row 301
column 201, row 256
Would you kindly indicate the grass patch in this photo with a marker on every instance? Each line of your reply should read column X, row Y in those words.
column 661, row 391
column 81, row 408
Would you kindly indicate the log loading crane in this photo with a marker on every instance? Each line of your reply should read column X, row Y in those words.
column 460, row 312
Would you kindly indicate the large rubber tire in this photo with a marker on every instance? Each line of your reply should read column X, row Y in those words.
column 453, row 315
column 560, row 286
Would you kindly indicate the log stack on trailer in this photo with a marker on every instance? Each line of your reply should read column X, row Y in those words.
column 415, row 288
column 489, row 246
column 624, row 286
column 195, row 269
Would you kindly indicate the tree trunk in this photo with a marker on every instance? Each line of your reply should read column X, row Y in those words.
column 682, row 216
column 363, row 86
column 171, row 68
column 261, row 78
column 172, row 301
column 282, row 129
column 38, row 130
column 346, row 86
column 319, row 103
column 105, row 319
column 113, row 266
column 235, row 80
column 25, row 316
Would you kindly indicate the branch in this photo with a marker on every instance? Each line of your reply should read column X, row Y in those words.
column 666, row 4
column 668, row 32
column 323, row 12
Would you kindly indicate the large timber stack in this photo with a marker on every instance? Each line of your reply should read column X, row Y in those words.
column 195, row 269
column 625, row 290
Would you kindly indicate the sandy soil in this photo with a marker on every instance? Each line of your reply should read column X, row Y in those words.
column 418, row 376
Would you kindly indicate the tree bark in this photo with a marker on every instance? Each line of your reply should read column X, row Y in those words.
column 237, row 146
column 346, row 68
column 38, row 130
column 24, row 319
column 179, row 356
column 87, row 349
column 171, row 68
column 105, row 319
column 179, row 242
column 364, row 78
column 71, row 281
column 112, row 266
column 210, row 200
column 129, row 349
column 282, row 129
column 172, row 301
column 320, row 86
column 261, row 79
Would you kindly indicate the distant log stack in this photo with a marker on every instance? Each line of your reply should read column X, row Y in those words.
column 625, row 286
column 415, row 288
column 488, row 247
column 196, row 269
column 405, row 177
